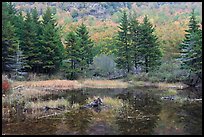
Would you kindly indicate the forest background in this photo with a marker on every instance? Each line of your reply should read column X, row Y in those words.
column 41, row 41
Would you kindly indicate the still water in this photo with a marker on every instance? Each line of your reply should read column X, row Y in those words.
column 130, row 111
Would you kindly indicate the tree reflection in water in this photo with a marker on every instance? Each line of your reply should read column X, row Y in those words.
column 77, row 121
column 77, row 96
column 191, row 117
column 138, row 114
column 124, row 111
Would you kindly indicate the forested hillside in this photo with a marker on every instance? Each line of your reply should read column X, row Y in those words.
column 102, row 18
column 74, row 36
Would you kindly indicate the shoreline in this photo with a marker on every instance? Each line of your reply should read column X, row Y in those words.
column 88, row 83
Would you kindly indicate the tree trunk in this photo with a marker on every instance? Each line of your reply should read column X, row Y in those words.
column 146, row 65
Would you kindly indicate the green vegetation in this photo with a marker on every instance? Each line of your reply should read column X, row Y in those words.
column 79, row 51
column 191, row 49
column 48, row 41
column 124, row 47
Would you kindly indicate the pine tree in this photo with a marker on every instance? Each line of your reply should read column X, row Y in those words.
column 51, row 44
column 9, row 46
column 9, row 39
column 135, row 39
column 149, row 47
column 19, row 26
column 86, row 46
column 73, row 55
column 28, row 41
column 124, row 48
column 37, row 50
column 191, row 48
column 8, row 12
column 19, row 65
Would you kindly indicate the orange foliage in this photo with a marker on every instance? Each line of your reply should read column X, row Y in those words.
column 5, row 86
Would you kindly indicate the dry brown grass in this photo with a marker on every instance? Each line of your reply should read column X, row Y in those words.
column 40, row 88
column 61, row 84
column 104, row 84
column 69, row 84
column 49, row 103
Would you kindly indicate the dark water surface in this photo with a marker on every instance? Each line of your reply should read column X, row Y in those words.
column 129, row 111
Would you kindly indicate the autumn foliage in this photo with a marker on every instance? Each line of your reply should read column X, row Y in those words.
column 6, row 85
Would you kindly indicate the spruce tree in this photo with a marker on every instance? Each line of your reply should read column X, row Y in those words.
column 191, row 48
column 19, row 65
column 20, row 26
column 124, row 48
column 73, row 55
column 51, row 44
column 10, row 40
column 28, row 41
column 149, row 47
column 135, row 39
column 37, row 50
column 86, row 46
column 9, row 46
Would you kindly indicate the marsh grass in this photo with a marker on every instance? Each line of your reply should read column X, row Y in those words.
column 105, row 84
column 160, row 85
column 171, row 92
column 110, row 108
column 49, row 103
column 69, row 84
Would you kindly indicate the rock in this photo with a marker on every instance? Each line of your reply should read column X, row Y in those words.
column 97, row 102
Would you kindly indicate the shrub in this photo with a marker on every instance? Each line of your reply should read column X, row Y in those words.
column 168, row 72
column 6, row 85
column 103, row 65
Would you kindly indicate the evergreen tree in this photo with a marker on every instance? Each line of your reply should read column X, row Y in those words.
column 149, row 47
column 9, row 39
column 19, row 65
column 135, row 39
column 73, row 55
column 28, row 41
column 8, row 12
column 191, row 48
column 86, row 46
column 37, row 51
column 124, row 48
column 19, row 26
column 51, row 44
column 9, row 46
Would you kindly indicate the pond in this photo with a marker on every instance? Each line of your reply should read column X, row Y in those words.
column 129, row 111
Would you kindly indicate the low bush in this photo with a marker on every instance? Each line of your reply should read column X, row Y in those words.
column 6, row 85
column 103, row 65
column 168, row 72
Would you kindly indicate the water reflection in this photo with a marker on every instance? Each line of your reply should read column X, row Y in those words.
column 77, row 121
column 191, row 118
column 139, row 114
column 77, row 96
column 125, row 111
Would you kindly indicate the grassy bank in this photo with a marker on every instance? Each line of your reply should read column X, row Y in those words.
column 71, row 84
column 161, row 85
column 33, row 88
